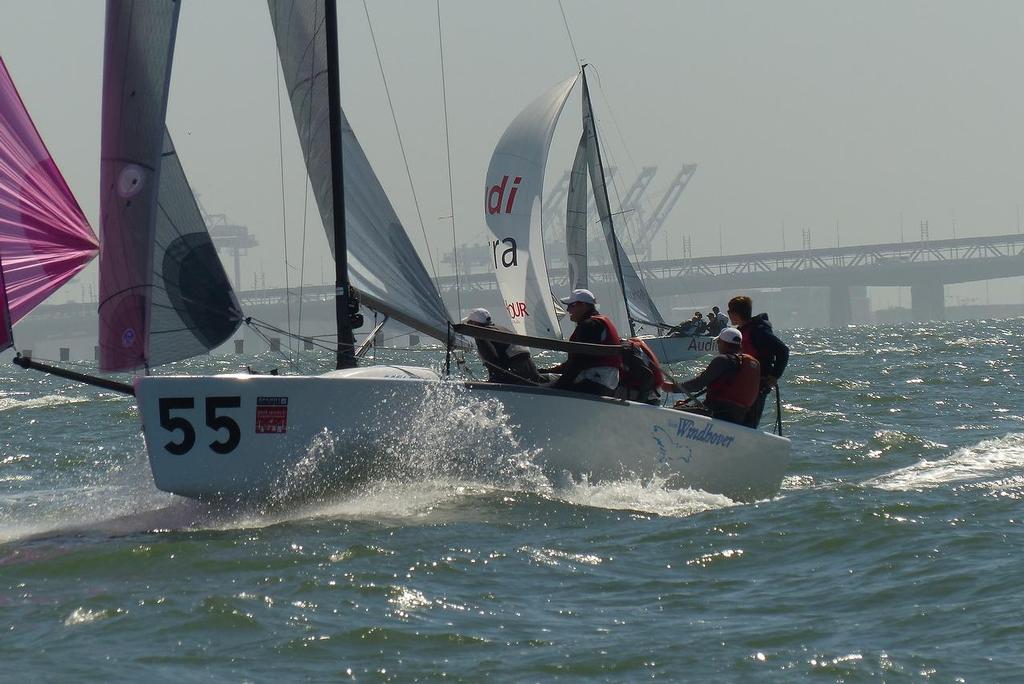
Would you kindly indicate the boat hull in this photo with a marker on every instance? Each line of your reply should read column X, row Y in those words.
column 675, row 349
column 244, row 437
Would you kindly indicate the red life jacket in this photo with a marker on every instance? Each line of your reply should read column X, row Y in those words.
column 740, row 387
column 611, row 338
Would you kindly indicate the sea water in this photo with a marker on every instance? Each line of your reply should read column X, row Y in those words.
column 892, row 553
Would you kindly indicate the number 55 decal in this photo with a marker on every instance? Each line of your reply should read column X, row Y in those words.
column 213, row 421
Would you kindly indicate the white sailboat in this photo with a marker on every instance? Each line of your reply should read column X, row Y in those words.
column 258, row 437
column 631, row 305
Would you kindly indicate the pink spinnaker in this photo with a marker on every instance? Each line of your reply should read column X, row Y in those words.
column 45, row 238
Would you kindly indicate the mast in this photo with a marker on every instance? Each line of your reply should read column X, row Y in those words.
column 607, row 203
column 346, row 340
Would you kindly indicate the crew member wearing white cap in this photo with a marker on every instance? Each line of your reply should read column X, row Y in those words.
column 506, row 363
column 733, row 379
column 584, row 372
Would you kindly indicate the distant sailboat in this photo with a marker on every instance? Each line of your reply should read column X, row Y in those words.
column 45, row 239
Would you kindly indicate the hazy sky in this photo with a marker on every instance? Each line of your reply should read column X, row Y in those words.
column 799, row 114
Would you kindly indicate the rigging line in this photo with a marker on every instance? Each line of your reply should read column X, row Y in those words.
column 625, row 147
column 572, row 44
column 622, row 212
column 611, row 114
column 284, row 208
column 614, row 182
column 448, row 149
column 401, row 145
column 308, row 181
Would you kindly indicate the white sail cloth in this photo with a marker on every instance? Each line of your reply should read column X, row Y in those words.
column 576, row 219
column 383, row 264
column 512, row 209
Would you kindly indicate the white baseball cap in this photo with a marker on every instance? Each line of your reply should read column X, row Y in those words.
column 731, row 335
column 478, row 316
column 585, row 296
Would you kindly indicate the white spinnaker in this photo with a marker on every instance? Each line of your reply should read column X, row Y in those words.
column 512, row 207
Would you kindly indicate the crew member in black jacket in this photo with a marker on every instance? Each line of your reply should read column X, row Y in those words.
column 760, row 342
column 510, row 364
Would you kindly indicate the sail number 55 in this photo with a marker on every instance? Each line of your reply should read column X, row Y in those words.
column 214, row 421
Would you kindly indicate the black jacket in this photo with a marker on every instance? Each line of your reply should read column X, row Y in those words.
column 768, row 349
column 507, row 363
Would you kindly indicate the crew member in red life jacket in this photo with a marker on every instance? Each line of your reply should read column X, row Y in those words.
column 584, row 372
column 733, row 380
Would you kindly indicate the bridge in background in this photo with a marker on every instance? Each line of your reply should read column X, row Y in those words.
column 926, row 267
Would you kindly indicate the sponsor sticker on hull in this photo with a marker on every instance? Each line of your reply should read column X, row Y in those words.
column 271, row 415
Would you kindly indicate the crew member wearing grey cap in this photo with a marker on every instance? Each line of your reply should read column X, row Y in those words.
column 584, row 372
column 732, row 378
column 510, row 364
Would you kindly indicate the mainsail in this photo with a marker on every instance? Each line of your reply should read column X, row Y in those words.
column 383, row 264
column 512, row 207
column 44, row 237
column 164, row 295
column 639, row 305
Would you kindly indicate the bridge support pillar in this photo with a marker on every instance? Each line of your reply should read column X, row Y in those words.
column 928, row 301
column 840, row 308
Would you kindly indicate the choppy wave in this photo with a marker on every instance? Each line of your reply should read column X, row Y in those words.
column 991, row 458
column 645, row 496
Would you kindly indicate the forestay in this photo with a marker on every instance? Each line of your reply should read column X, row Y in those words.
column 640, row 307
column 512, row 208
column 164, row 295
column 44, row 237
column 383, row 264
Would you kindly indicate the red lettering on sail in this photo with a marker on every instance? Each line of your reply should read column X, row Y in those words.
column 495, row 196
column 517, row 309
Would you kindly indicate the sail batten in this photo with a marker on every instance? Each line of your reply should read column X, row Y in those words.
column 45, row 239
column 164, row 294
column 383, row 265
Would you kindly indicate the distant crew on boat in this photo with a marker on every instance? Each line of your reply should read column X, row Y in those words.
column 717, row 321
column 584, row 372
column 510, row 364
column 694, row 326
column 760, row 342
column 732, row 379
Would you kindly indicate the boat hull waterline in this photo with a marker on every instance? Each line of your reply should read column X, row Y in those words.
column 253, row 437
